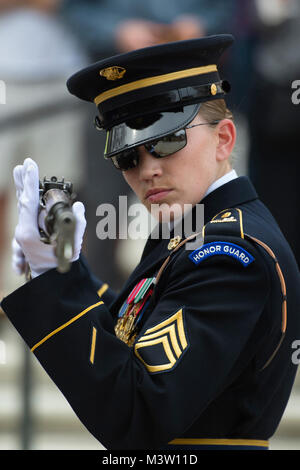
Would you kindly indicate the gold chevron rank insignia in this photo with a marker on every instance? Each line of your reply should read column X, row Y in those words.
column 161, row 346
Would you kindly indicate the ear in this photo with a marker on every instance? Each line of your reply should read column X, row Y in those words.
column 226, row 133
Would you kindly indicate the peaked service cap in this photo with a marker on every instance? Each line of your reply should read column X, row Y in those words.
column 161, row 85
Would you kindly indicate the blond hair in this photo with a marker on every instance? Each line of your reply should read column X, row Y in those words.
column 215, row 110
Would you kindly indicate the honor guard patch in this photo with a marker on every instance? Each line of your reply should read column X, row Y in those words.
column 221, row 248
column 161, row 346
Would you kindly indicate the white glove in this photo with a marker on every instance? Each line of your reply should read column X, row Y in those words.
column 18, row 258
column 27, row 246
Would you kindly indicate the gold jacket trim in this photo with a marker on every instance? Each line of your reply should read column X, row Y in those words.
column 57, row 330
column 221, row 442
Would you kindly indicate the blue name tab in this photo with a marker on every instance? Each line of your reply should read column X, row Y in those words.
column 221, row 248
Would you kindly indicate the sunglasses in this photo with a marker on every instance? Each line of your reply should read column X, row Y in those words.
column 158, row 148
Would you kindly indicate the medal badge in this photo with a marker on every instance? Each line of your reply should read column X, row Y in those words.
column 132, row 310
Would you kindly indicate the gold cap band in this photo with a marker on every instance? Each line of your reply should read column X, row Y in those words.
column 145, row 82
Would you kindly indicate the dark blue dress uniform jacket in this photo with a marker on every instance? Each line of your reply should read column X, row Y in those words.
column 213, row 357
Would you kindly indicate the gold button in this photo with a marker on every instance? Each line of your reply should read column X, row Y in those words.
column 174, row 242
column 213, row 89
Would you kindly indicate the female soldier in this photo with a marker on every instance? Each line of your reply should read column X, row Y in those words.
column 195, row 351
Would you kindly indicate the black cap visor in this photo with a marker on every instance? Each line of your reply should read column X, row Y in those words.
column 139, row 131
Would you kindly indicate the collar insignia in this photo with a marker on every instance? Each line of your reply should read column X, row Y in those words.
column 174, row 242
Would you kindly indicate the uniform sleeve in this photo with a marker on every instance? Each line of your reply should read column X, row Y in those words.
column 147, row 395
column 103, row 290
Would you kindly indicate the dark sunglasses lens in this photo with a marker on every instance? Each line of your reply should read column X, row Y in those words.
column 159, row 148
column 167, row 145
column 126, row 160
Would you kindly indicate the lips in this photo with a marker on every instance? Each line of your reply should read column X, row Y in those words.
column 157, row 193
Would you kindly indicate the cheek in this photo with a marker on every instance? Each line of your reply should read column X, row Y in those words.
column 196, row 162
column 125, row 176
column 202, row 157
column 131, row 179
column 195, row 170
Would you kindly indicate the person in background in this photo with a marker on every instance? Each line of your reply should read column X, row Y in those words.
column 120, row 25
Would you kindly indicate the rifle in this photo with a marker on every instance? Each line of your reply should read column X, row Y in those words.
column 56, row 220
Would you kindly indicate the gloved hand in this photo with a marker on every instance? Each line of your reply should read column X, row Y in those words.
column 27, row 246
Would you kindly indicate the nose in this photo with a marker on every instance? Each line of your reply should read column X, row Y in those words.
column 149, row 166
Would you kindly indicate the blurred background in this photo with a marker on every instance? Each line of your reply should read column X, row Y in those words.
column 42, row 42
